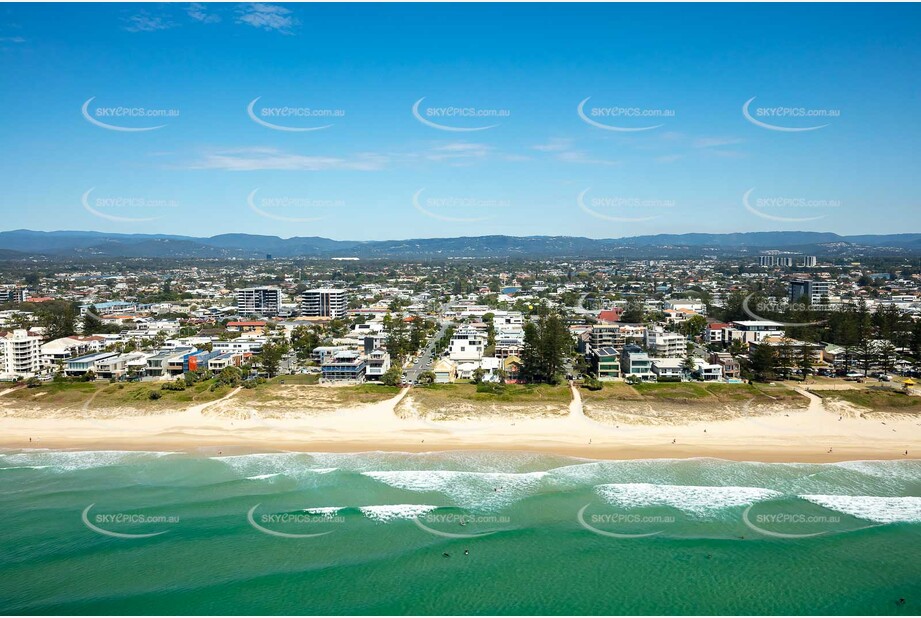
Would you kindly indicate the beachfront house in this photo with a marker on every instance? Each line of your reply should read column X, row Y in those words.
column 606, row 363
column 635, row 362
column 344, row 366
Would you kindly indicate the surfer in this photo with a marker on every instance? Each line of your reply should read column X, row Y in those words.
column 446, row 555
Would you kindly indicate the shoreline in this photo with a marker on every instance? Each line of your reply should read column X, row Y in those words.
column 799, row 436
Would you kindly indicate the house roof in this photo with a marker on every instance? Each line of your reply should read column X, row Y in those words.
column 610, row 315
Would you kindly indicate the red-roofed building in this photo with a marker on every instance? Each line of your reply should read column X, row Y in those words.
column 716, row 332
column 610, row 315
column 246, row 326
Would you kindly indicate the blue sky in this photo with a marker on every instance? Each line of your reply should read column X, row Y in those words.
column 379, row 172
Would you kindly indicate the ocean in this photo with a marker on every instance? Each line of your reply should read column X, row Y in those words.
column 112, row 532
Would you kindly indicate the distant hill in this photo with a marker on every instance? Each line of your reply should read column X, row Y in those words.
column 17, row 244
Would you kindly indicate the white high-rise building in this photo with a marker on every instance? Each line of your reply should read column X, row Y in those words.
column 467, row 344
column 766, row 260
column 258, row 301
column 809, row 261
column 812, row 289
column 665, row 344
column 20, row 354
column 324, row 303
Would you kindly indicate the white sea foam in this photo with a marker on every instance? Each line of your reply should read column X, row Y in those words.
column 881, row 509
column 24, row 467
column 389, row 512
column 266, row 465
column 470, row 489
column 67, row 461
column 693, row 499
column 325, row 511
column 260, row 477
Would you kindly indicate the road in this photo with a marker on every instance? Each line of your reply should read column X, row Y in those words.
column 425, row 360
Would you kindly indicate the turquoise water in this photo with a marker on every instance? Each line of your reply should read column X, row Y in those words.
column 367, row 533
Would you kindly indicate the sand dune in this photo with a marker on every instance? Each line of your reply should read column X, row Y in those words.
column 795, row 434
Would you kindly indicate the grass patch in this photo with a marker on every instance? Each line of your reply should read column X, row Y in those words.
column 301, row 378
column 103, row 395
column 879, row 400
column 693, row 393
column 518, row 393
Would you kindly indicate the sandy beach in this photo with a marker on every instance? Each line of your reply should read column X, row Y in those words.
column 821, row 432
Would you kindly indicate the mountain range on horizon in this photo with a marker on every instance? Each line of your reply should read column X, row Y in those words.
column 21, row 244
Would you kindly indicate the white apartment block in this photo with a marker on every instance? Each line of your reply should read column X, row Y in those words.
column 20, row 355
column 259, row 301
column 467, row 344
column 666, row 345
column 377, row 363
column 324, row 303
column 753, row 331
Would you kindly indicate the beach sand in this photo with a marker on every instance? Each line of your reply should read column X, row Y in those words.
column 810, row 434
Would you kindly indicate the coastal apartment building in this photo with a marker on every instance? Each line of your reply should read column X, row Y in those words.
column 20, row 354
column 753, row 331
column 377, row 363
column 467, row 344
column 344, row 366
column 606, row 363
column 259, row 301
column 13, row 294
column 666, row 345
column 635, row 362
column 809, row 289
column 605, row 336
column 324, row 303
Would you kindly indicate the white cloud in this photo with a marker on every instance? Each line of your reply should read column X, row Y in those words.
column 145, row 23
column 459, row 151
column 267, row 17
column 556, row 144
column 12, row 39
column 669, row 158
column 199, row 12
column 713, row 142
column 577, row 156
column 251, row 159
